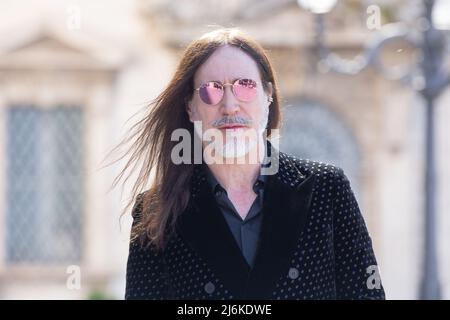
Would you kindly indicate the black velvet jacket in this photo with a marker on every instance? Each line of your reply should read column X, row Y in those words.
column 314, row 244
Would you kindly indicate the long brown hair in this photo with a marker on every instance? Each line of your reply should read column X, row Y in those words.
column 169, row 193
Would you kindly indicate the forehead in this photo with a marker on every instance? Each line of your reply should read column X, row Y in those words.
column 225, row 64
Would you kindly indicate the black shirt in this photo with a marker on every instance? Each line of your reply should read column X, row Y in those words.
column 245, row 231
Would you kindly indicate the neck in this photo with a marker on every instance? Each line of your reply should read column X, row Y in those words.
column 240, row 175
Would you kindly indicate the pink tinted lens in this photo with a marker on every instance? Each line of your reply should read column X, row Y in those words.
column 211, row 93
column 245, row 89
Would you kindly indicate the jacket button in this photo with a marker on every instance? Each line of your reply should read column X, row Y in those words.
column 293, row 273
column 209, row 287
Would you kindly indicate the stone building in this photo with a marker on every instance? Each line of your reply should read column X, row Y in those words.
column 73, row 72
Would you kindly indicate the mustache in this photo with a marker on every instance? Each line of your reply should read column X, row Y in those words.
column 231, row 120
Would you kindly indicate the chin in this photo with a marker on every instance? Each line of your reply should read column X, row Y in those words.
column 235, row 148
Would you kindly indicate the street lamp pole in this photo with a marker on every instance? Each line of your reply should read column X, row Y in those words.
column 429, row 79
column 433, row 48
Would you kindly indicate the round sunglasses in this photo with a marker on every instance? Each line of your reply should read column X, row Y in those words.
column 212, row 92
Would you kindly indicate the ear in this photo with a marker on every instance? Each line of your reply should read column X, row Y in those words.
column 189, row 109
column 269, row 89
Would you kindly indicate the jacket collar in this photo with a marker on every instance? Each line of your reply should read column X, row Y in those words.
column 287, row 198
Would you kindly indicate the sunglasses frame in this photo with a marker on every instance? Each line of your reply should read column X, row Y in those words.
column 223, row 85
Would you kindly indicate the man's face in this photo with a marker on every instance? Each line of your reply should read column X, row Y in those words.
column 225, row 65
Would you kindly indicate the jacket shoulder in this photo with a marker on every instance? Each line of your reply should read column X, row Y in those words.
column 311, row 167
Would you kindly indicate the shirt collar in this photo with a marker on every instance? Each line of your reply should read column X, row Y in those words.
column 257, row 186
column 215, row 185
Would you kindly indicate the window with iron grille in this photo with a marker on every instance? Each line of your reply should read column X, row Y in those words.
column 44, row 187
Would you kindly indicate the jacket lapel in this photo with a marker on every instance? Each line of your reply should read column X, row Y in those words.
column 287, row 200
column 287, row 197
column 203, row 226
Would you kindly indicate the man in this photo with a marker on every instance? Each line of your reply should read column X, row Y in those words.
column 246, row 221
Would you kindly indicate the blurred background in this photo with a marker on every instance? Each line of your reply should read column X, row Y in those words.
column 73, row 72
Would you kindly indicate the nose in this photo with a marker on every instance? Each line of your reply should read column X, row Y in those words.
column 229, row 103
